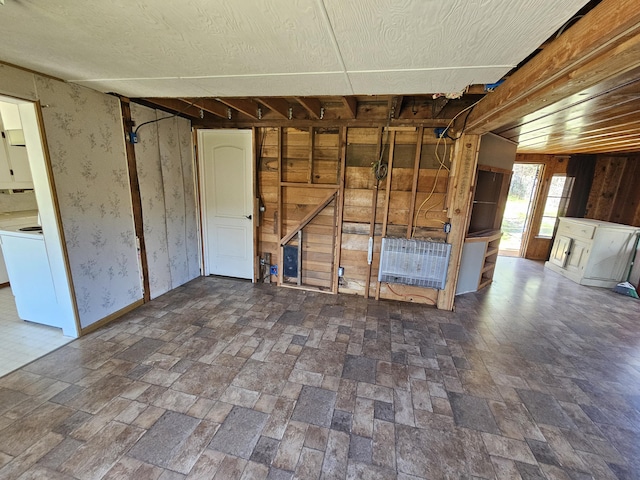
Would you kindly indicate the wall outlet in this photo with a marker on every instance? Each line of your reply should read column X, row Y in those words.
column 340, row 272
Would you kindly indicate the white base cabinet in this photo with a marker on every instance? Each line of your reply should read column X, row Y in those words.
column 592, row 252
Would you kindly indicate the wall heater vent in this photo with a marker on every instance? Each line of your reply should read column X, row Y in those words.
column 414, row 262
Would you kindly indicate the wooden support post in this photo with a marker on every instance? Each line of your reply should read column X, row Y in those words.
column 339, row 209
column 311, row 145
column 461, row 183
column 374, row 207
column 136, row 199
column 299, row 257
column 387, row 196
column 414, row 185
column 279, row 221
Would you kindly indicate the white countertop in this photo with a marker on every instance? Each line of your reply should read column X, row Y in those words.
column 11, row 223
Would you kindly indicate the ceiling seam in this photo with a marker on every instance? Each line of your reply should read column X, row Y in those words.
column 334, row 41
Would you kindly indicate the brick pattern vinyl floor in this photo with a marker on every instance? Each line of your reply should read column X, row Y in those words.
column 533, row 378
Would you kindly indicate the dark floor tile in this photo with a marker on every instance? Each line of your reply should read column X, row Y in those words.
column 361, row 369
column 299, row 340
column 383, row 411
column 161, row 442
column 315, row 406
column 60, row 453
column 544, row 408
column 332, row 311
column 399, row 357
column 360, row 449
column 291, row 317
column 378, row 311
column 265, row 450
column 341, row 421
column 344, row 330
column 472, row 412
column 138, row 371
column 65, row 395
column 240, row 432
column 371, row 334
column 529, row 472
column 542, row 452
column 277, row 474
column 452, row 331
column 140, row 350
column 461, row 363
column 72, row 422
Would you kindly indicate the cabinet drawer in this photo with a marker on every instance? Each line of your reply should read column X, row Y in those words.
column 576, row 230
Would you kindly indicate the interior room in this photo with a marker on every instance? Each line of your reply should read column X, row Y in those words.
column 321, row 239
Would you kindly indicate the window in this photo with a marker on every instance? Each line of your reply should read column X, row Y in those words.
column 556, row 204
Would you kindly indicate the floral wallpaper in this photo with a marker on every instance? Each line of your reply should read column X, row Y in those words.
column 84, row 133
column 165, row 173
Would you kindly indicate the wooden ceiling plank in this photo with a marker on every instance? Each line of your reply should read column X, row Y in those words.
column 602, row 44
column 279, row 106
column 351, row 104
column 311, row 105
column 242, row 105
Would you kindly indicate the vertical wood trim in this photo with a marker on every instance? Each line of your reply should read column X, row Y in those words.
column 299, row 257
column 198, row 188
column 465, row 159
column 136, row 199
column 311, row 145
column 414, row 185
column 387, row 196
column 256, row 211
column 340, row 209
column 279, row 222
column 374, row 207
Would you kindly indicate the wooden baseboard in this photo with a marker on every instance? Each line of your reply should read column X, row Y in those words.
column 115, row 315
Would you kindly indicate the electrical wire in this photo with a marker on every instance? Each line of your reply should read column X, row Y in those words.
column 163, row 118
column 404, row 295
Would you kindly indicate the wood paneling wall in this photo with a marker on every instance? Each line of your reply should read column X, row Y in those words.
column 615, row 194
column 408, row 202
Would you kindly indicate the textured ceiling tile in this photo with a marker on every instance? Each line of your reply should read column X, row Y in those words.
column 169, row 87
column 390, row 34
column 276, row 85
column 420, row 82
column 124, row 39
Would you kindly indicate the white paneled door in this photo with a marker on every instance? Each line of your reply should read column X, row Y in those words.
column 227, row 200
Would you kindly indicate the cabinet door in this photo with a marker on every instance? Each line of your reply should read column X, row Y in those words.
column 560, row 251
column 578, row 257
column 20, row 165
column 610, row 255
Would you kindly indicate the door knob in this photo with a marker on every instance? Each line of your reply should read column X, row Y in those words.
column 248, row 217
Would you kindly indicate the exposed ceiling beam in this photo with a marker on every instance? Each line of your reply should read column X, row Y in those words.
column 209, row 105
column 246, row 106
column 352, row 106
column 181, row 107
column 395, row 106
column 279, row 106
column 311, row 105
column 604, row 43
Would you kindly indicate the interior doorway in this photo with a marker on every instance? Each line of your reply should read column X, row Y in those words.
column 519, row 208
column 37, row 314
column 226, row 173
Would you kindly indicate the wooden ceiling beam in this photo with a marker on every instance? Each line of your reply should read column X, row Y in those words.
column 209, row 105
column 311, row 105
column 279, row 106
column 351, row 104
column 603, row 44
column 178, row 106
column 246, row 106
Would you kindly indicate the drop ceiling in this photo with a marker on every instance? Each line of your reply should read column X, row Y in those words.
column 207, row 48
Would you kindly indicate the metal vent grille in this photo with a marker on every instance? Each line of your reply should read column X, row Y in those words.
column 414, row 262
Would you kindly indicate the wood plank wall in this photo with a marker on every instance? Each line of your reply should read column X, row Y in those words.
column 614, row 195
column 310, row 162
